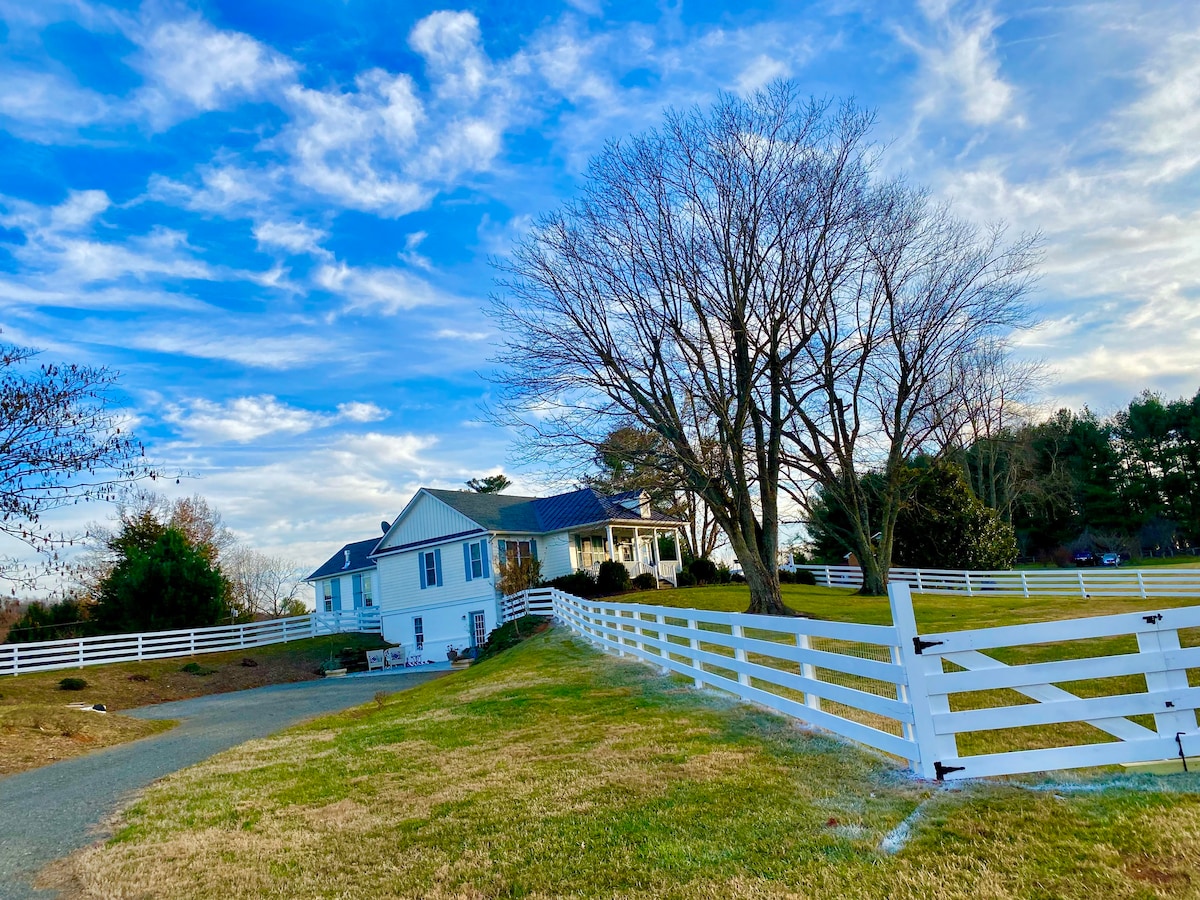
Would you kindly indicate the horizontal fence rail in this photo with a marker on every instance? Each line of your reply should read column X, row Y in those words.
column 1087, row 583
column 74, row 653
column 534, row 602
column 843, row 677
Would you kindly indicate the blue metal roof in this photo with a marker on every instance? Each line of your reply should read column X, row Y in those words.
column 539, row 515
column 359, row 559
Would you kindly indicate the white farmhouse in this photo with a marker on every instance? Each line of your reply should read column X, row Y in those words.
column 433, row 573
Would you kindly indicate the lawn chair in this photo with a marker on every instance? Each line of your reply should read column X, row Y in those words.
column 375, row 660
column 394, row 656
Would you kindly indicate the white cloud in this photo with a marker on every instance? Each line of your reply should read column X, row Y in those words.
column 46, row 106
column 960, row 66
column 234, row 342
column 759, row 72
column 386, row 290
column 242, row 420
column 295, row 237
column 450, row 44
column 224, row 188
column 1164, row 123
column 454, row 334
column 190, row 66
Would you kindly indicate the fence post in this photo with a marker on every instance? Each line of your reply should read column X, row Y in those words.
column 967, row 576
column 694, row 644
column 139, row 646
column 81, row 653
column 808, row 670
column 1167, row 724
column 828, row 579
column 192, row 642
column 1141, row 585
column 916, row 667
column 16, row 660
column 637, row 632
column 1082, row 586
column 739, row 653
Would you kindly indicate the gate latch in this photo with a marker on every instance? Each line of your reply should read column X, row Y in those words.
column 943, row 770
column 1157, row 617
column 920, row 646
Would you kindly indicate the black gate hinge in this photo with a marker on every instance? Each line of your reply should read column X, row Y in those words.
column 1157, row 617
column 943, row 770
column 920, row 646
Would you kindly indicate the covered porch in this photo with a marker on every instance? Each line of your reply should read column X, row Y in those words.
column 635, row 547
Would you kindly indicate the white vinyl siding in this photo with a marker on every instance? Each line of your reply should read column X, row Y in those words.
column 554, row 550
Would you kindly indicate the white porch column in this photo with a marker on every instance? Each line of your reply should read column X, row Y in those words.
column 637, row 549
column 654, row 549
column 612, row 548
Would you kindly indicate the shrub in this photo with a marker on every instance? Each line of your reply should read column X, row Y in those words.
column 685, row 579
column 581, row 584
column 737, row 577
column 724, row 574
column 72, row 684
column 703, row 569
column 519, row 576
column 803, row 576
column 194, row 668
column 613, row 578
column 645, row 582
column 786, row 577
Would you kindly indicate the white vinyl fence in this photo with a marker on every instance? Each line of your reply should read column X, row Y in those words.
column 890, row 687
column 74, row 653
column 820, row 672
column 1090, row 582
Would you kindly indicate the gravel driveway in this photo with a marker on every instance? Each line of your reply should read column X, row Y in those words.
column 49, row 812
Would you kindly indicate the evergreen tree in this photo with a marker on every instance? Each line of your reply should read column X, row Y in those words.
column 160, row 584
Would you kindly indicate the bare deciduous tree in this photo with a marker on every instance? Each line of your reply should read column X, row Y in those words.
column 61, row 443
column 261, row 584
column 738, row 284
column 884, row 369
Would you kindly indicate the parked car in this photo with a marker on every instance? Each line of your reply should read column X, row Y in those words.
column 1084, row 558
column 1110, row 559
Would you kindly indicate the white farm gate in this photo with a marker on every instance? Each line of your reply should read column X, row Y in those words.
column 917, row 696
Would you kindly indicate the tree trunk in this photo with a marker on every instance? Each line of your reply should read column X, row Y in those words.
column 765, row 596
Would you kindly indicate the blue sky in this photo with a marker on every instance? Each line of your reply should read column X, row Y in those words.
column 274, row 219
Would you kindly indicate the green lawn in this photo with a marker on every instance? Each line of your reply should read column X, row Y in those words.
column 553, row 770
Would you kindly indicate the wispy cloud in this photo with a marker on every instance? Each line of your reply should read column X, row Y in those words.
column 245, row 419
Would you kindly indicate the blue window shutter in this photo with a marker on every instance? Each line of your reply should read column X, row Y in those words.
column 467, row 560
column 356, row 583
column 533, row 547
column 483, row 554
column 421, row 569
column 437, row 565
column 502, row 550
column 337, row 594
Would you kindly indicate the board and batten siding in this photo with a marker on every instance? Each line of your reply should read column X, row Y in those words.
column 428, row 518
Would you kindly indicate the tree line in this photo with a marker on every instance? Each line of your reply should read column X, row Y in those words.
column 163, row 565
column 1128, row 482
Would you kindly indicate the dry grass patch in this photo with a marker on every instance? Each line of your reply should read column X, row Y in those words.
column 29, row 700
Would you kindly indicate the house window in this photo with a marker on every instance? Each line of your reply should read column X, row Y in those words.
column 328, row 589
column 419, row 631
column 368, row 598
column 518, row 551
column 429, row 566
column 476, row 561
column 591, row 551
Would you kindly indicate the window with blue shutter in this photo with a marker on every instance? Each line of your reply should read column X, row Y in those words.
column 467, row 560
column 437, row 566
column 337, row 594
column 356, row 584
column 486, row 562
